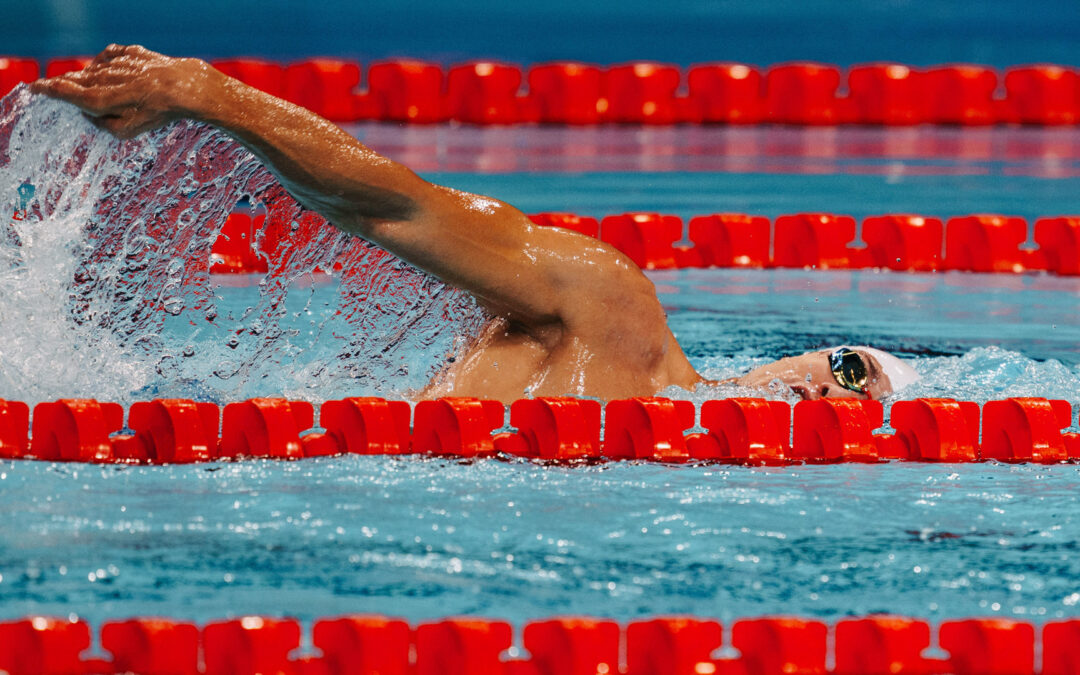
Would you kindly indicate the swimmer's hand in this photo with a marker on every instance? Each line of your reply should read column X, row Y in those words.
column 127, row 90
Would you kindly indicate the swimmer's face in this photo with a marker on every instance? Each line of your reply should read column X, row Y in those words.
column 811, row 377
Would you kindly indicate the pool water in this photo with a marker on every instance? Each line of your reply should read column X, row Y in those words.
column 423, row 538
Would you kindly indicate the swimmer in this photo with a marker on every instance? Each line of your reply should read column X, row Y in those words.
column 571, row 315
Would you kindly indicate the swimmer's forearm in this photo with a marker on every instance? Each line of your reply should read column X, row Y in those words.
column 533, row 276
column 322, row 166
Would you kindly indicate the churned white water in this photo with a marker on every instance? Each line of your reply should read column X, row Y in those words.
column 105, row 288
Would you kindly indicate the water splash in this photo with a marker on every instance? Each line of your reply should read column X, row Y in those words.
column 105, row 288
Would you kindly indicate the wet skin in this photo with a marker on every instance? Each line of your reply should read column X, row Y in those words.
column 571, row 315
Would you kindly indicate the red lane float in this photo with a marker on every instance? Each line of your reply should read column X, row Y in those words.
column 737, row 430
column 461, row 647
column 817, row 240
column 158, row 646
column 886, row 93
column 1059, row 245
column 327, row 87
column 565, row 93
column 1028, row 430
column 359, row 645
column 1059, row 653
column 75, row 430
column 355, row 645
column 961, row 94
column 456, row 426
column 483, row 93
column 406, row 91
column 14, row 71
column 266, row 76
column 647, row 238
column 57, row 67
column 574, row 93
column 936, row 430
column 803, row 93
column 730, row 240
column 647, row 428
column 987, row 243
column 265, row 428
column 553, row 428
column 989, row 646
column 171, row 431
column 572, row 646
column 583, row 224
column 235, row 250
column 671, row 646
column 362, row 426
column 743, row 430
column 14, row 429
column 43, row 646
column 641, row 93
column 250, row 645
column 903, row 242
column 725, row 93
column 780, row 645
column 1043, row 95
column 836, row 430
column 881, row 645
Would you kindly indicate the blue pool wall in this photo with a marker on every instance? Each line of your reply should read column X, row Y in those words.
column 995, row 32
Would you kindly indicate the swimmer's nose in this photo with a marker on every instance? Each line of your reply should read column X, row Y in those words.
column 806, row 393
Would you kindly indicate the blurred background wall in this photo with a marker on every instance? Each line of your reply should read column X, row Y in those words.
column 918, row 32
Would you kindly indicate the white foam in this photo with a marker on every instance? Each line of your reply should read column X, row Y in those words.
column 105, row 289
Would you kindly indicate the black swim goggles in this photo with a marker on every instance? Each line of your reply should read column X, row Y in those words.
column 849, row 369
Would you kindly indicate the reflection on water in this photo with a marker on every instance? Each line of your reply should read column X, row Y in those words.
column 894, row 152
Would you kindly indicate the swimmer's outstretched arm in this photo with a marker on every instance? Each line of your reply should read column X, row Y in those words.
column 538, row 277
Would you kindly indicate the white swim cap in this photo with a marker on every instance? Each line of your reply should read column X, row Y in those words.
column 899, row 373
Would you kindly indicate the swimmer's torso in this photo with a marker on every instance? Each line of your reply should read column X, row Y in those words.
column 506, row 364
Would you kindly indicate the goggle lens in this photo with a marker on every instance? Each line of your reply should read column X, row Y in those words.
column 849, row 369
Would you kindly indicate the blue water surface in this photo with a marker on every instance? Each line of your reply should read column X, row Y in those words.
column 429, row 538
column 424, row 538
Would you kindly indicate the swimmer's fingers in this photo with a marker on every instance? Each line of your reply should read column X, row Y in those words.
column 109, row 53
column 127, row 89
column 63, row 87
column 91, row 100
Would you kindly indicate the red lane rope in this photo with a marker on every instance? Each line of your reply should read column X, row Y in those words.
column 484, row 92
column 901, row 242
column 744, row 431
column 559, row 646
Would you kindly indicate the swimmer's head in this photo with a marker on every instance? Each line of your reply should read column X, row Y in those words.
column 839, row 372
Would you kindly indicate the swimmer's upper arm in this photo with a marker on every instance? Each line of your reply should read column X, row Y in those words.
column 532, row 274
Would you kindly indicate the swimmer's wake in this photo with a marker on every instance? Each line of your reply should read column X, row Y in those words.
column 105, row 287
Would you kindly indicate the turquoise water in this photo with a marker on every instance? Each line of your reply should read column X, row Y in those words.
column 424, row 538
column 427, row 538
